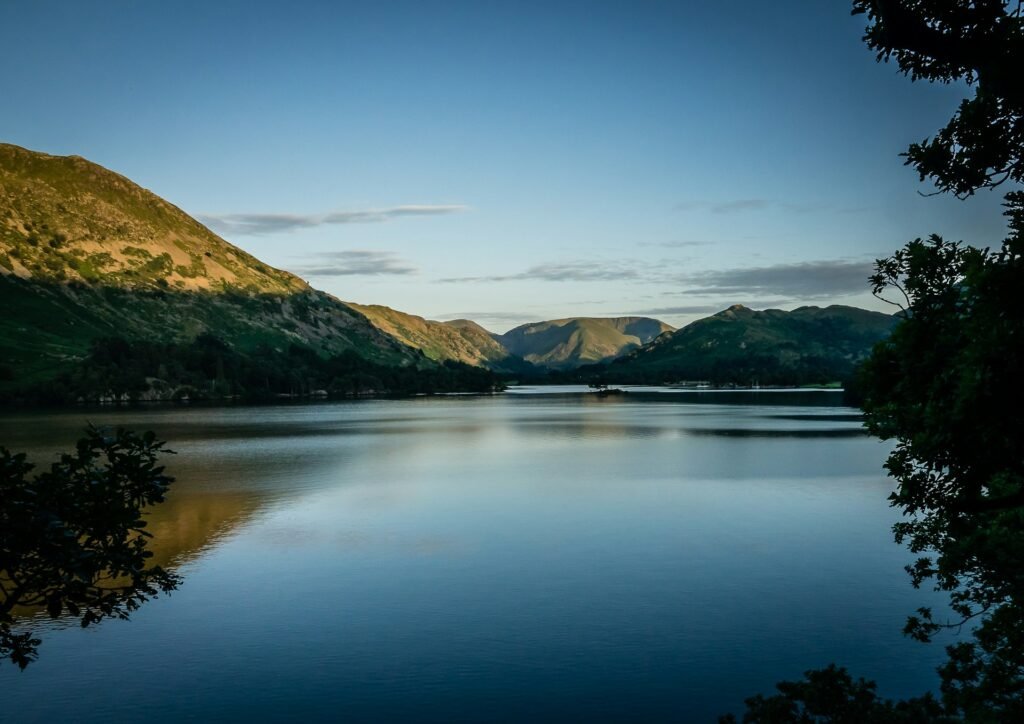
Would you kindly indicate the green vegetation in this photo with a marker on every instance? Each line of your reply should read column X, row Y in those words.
column 73, row 539
column 207, row 368
column 946, row 385
column 832, row 695
column 85, row 254
column 47, row 327
column 526, row 352
column 458, row 341
column 567, row 343
column 54, row 207
column 739, row 346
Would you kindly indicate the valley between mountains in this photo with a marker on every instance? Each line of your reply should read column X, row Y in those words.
column 110, row 292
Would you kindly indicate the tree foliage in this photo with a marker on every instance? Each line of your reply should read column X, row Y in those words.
column 978, row 42
column 832, row 695
column 73, row 539
column 207, row 367
column 948, row 385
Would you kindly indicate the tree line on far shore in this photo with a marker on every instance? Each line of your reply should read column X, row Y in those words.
column 207, row 368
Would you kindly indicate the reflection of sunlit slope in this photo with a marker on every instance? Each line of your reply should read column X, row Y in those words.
column 214, row 495
column 185, row 525
column 182, row 527
column 216, row 490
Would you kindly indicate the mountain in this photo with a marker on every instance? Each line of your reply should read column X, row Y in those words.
column 460, row 340
column 568, row 343
column 742, row 346
column 86, row 253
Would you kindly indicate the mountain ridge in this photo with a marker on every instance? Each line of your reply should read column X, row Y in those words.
column 461, row 340
column 742, row 346
column 87, row 253
column 574, row 341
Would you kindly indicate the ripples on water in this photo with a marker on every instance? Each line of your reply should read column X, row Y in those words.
column 553, row 556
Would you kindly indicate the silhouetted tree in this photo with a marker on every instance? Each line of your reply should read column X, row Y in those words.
column 980, row 42
column 948, row 384
column 948, row 387
column 832, row 695
column 72, row 539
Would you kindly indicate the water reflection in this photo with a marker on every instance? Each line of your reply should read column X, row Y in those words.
column 752, row 432
column 186, row 525
column 654, row 555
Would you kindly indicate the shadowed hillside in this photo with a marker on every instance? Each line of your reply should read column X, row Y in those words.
column 86, row 253
column 809, row 345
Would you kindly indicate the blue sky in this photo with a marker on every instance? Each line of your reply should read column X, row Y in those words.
column 507, row 162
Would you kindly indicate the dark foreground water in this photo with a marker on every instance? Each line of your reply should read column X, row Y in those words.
column 524, row 557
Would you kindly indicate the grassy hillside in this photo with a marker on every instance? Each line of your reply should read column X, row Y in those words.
column 65, row 218
column 461, row 340
column 86, row 253
column 742, row 346
column 568, row 343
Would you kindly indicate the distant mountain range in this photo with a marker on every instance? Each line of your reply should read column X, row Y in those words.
column 460, row 340
column 772, row 347
column 530, row 348
column 568, row 343
column 86, row 254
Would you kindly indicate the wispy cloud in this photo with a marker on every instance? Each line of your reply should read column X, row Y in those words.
column 255, row 224
column 725, row 207
column 498, row 322
column 682, row 309
column 356, row 263
column 703, row 308
column 805, row 280
column 735, row 206
column 675, row 244
column 573, row 271
column 504, row 316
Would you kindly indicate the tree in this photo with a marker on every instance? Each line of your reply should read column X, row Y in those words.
column 948, row 385
column 73, row 539
column 980, row 42
column 832, row 695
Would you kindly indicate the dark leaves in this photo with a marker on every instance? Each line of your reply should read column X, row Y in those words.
column 72, row 538
column 832, row 695
column 980, row 43
column 947, row 386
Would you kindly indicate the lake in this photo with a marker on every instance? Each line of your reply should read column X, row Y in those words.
column 542, row 555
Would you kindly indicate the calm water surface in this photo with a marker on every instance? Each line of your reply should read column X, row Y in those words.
column 654, row 555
